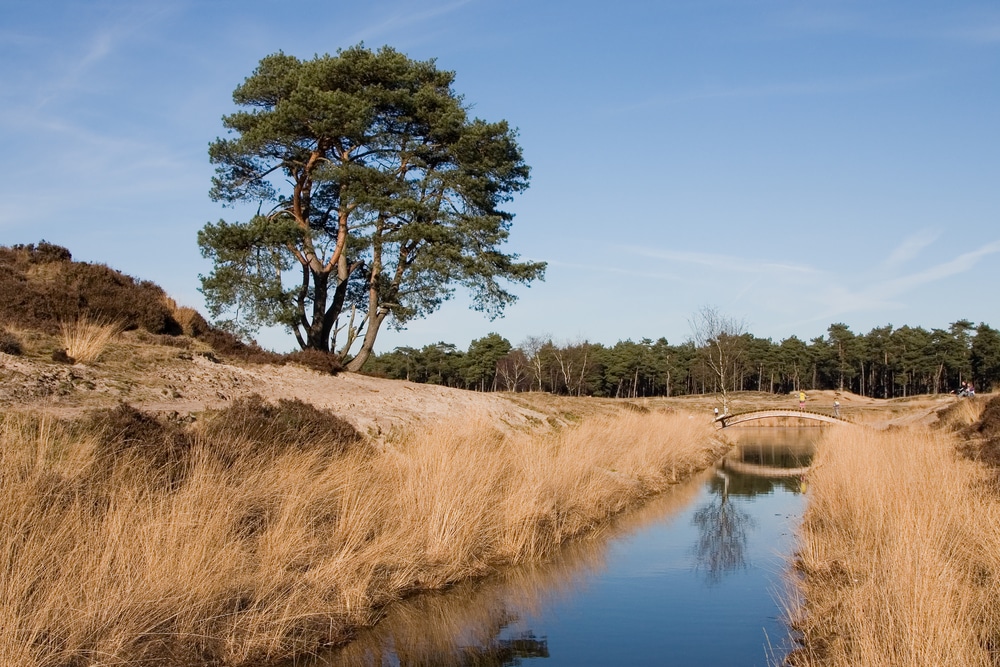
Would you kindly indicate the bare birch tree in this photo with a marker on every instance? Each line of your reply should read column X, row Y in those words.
column 533, row 347
column 720, row 338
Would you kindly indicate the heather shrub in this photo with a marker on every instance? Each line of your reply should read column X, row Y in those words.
column 228, row 345
column 59, row 355
column 107, row 294
column 40, row 286
column 131, row 443
column 989, row 421
column 45, row 252
column 324, row 362
column 983, row 435
column 259, row 428
column 9, row 343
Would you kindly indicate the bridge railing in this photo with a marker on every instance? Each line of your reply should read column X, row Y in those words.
column 769, row 413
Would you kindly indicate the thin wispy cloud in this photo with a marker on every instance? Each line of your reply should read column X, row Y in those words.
column 724, row 263
column 881, row 295
column 961, row 264
column 400, row 20
column 616, row 270
column 73, row 76
column 828, row 87
column 804, row 295
column 73, row 67
column 910, row 248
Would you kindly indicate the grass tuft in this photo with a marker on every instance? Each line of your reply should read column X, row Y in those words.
column 960, row 414
column 85, row 339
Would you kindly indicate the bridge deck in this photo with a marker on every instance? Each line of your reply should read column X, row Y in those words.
column 751, row 415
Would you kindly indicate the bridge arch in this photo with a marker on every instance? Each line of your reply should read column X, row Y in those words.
column 758, row 470
column 725, row 421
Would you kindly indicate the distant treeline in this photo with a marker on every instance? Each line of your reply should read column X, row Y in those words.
column 886, row 362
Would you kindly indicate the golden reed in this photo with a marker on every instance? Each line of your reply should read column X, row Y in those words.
column 900, row 554
column 250, row 560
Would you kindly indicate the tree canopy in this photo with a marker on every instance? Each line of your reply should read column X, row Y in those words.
column 376, row 195
column 887, row 362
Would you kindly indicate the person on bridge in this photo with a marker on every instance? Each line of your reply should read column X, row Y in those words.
column 802, row 400
column 836, row 408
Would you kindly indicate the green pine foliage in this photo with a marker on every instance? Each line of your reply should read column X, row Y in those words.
column 377, row 195
column 887, row 362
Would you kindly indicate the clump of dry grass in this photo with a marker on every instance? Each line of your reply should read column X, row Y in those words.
column 85, row 339
column 961, row 413
column 127, row 540
column 981, row 431
column 900, row 554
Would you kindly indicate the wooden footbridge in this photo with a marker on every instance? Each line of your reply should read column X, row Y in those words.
column 751, row 415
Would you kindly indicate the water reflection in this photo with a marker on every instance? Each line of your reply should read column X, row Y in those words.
column 765, row 458
column 472, row 623
column 768, row 458
column 722, row 535
column 698, row 564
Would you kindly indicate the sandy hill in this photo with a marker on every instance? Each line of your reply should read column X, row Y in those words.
column 186, row 377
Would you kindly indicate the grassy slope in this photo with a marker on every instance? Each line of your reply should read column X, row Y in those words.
column 267, row 527
column 232, row 541
column 900, row 554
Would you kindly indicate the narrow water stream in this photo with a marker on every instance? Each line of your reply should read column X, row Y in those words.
column 694, row 578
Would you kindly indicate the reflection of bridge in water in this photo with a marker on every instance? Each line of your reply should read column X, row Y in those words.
column 751, row 415
column 759, row 470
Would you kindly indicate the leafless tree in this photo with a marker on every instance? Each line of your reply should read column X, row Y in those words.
column 720, row 338
column 512, row 371
column 532, row 347
column 573, row 360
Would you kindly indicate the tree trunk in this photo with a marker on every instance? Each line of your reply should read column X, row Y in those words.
column 318, row 334
column 355, row 364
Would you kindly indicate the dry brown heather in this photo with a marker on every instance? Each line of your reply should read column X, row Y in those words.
column 130, row 540
column 900, row 551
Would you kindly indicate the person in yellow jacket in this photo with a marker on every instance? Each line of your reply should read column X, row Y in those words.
column 802, row 400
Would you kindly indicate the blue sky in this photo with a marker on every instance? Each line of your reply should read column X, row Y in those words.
column 791, row 163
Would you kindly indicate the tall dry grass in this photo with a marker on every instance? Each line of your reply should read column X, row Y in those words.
column 85, row 339
column 900, row 554
column 962, row 413
column 464, row 628
column 128, row 542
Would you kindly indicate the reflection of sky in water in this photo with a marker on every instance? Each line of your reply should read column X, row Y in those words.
column 654, row 606
column 650, row 595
